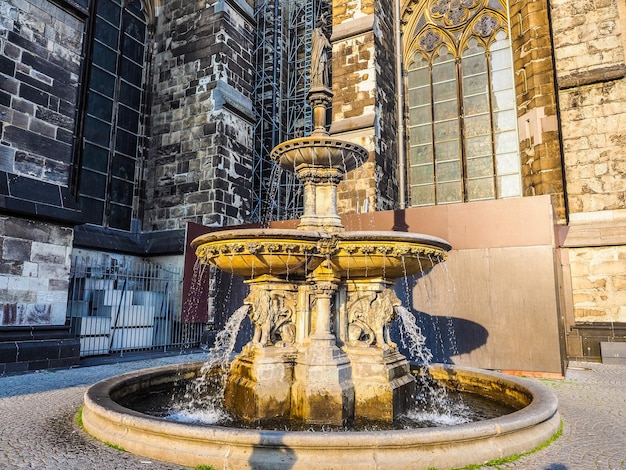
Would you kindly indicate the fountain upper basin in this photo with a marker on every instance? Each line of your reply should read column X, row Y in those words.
column 257, row 252
column 386, row 254
column 254, row 252
column 319, row 151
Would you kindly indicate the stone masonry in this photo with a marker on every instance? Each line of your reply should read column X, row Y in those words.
column 364, row 105
column 40, row 55
column 599, row 284
column 199, row 166
column 542, row 172
column 589, row 46
column 34, row 272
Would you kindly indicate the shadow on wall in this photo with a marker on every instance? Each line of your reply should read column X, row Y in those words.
column 446, row 336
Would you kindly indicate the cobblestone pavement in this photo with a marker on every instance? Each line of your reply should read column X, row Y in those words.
column 38, row 429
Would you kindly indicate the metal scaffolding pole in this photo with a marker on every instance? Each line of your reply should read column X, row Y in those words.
column 282, row 64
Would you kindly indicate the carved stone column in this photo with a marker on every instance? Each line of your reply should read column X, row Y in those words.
column 322, row 391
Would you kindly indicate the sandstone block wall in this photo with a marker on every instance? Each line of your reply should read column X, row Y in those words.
column 199, row 163
column 364, row 105
column 34, row 272
column 542, row 171
column 599, row 284
column 589, row 48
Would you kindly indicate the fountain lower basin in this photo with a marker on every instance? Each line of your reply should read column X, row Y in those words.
column 223, row 447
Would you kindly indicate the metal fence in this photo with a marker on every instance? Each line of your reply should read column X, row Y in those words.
column 117, row 308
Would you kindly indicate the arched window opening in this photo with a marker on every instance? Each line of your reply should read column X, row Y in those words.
column 112, row 123
column 462, row 128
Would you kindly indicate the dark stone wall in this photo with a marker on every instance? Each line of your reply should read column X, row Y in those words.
column 199, row 165
column 40, row 61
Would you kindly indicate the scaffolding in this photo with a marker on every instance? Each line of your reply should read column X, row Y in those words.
column 282, row 62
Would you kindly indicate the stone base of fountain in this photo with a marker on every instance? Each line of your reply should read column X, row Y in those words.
column 222, row 447
column 383, row 383
column 259, row 385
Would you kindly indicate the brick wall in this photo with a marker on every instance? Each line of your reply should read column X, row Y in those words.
column 199, row 165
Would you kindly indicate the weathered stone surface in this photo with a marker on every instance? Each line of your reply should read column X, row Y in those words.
column 202, row 117
column 598, row 282
column 42, row 50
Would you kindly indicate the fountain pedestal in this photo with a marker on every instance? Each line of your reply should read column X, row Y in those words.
column 383, row 383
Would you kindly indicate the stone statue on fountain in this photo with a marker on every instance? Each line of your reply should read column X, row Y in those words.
column 320, row 47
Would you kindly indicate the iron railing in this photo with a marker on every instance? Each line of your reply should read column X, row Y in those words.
column 116, row 308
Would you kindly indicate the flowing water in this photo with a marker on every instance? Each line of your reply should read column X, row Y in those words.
column 200, row 401
column 202, row 397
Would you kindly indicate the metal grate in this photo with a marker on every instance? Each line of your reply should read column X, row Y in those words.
column 116, row 309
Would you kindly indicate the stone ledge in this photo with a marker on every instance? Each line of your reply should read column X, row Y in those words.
column 141, row 244
column 352, row 28
column 353, row 124
column 600, row 228
column 590, row 77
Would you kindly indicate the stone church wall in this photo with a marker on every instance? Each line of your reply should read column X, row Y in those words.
column 589, row 47
column 199, row 165
column 364, row 105
column 533, row 65
column 40, row 60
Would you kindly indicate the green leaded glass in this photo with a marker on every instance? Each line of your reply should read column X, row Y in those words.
column 461, row 95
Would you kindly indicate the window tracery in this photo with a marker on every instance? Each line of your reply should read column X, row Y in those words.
column 111, row 136
column 462, row 121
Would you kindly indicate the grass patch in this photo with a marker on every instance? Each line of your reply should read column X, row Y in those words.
column 512, row 458
column 205, row 467
column 79, row 421
column 79, row 418
column 114, row 446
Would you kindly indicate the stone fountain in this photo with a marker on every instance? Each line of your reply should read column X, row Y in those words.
column 321, row 300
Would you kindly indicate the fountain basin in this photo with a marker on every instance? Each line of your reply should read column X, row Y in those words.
column 254, row 252
column 257, row 252
column 389, row 255
column 319, row 151
column 223, row 447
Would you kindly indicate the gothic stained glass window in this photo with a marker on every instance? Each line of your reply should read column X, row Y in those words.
column 111, row 133
column 462, row 122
